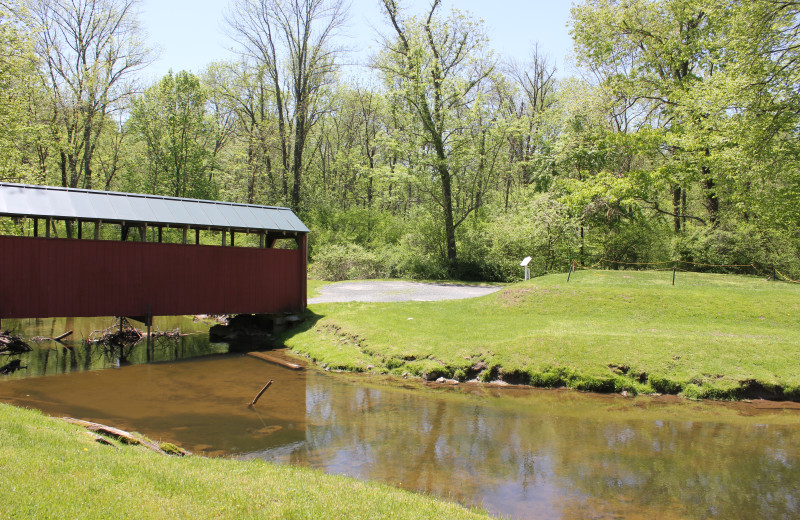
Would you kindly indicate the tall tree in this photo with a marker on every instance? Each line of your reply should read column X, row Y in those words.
column 660, row 55
column 247, row 93
column 292, row 42
column 179, row 139
column 528, row 95
column 18, row 84
column 438, row 74
column 90, row 51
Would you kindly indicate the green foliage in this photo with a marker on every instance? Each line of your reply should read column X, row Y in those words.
column 347, row 262
column 542, row 228
column 439, row 78
column 740, row 247
column 171, row 123
column 17, row 86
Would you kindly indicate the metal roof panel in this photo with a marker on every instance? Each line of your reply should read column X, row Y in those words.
column 103, row 208
column 68, row 203
column 295, row 223
column 61, row 204
column 180, row 213
column 84, row 204
column 142, row 209
column 233, row 215
column 14, row 202
column 123, row 209
column 197, row 213
column 264, row 217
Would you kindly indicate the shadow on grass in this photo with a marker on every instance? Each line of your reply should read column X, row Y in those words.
column 310, row 320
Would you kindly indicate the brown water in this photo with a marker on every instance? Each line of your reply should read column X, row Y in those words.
column 517, row 452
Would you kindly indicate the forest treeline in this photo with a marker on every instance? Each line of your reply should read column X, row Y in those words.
column 676, row 137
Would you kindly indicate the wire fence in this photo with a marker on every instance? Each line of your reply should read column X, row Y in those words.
column 678, row 266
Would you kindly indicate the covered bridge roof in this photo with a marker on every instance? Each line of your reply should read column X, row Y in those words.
column 23, row 200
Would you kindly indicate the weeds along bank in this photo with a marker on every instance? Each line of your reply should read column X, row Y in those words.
column 708, row 336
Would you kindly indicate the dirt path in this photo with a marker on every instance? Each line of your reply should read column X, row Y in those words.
column 398, row 292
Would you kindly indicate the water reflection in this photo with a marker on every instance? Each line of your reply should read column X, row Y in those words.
column 533, row 455
column 74, row 354
column 520, row 453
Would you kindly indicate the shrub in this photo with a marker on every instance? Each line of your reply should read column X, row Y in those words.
column 346, row 262
column 541, row 229
column 740, row 244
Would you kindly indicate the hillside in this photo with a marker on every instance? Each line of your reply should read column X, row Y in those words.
column 709, row 336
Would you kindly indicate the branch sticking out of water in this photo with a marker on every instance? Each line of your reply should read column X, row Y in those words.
column 255, row 399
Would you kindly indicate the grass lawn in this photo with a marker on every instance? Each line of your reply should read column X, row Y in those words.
column 51, row 469
column 709, row 336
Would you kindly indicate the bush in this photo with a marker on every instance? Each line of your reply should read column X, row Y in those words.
column 740, row 244
column 541, row 229
column 634, row 241
column 347, row 262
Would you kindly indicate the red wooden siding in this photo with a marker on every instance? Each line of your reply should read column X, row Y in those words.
column 41, row 277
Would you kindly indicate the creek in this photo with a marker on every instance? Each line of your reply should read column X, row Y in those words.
column 517, row 452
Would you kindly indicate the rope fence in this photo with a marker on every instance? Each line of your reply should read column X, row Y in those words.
column 675, row 266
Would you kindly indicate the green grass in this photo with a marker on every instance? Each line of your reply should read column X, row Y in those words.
column 312, row 287
column 52, row 469
column 709, row 336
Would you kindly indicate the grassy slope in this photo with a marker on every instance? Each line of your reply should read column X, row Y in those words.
column 51, row 469
column 708, row 336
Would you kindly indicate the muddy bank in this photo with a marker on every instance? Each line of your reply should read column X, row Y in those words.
column 620, row 380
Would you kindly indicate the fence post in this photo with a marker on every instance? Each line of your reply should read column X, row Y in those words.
column 674, row 268
column 571, row 268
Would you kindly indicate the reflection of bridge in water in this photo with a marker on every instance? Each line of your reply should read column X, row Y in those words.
column 143, row 256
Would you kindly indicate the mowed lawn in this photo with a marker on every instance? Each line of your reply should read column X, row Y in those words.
column 709, row 335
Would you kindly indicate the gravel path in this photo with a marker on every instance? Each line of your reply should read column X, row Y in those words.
column 398, row 292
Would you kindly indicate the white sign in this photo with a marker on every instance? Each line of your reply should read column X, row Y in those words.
column 526, row 261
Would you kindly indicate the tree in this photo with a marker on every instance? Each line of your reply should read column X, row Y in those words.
column 528, row 96
column 437, row 75
column 89, row 50
column 659, row 55
column 17, row 85
column 760, row 89
column 246, row 92
column 170, row 120
column 349, row 156
column 291, row 41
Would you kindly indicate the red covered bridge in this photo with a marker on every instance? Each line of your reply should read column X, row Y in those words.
column 120, row 262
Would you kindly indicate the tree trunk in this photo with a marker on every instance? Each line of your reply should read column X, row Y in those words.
column 712, row 203
column 676, row 208
column 447, row 206
column 297, row 165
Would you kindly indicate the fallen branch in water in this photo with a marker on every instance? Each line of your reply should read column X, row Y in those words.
column 39, row 339
column 10, row 344
column 255, row 400
column 62, row 336
column 127, row 437
column 275, row 361
column 125, row 335
column 169, row 334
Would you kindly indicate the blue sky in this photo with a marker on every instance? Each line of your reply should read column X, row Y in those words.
column 190, row 33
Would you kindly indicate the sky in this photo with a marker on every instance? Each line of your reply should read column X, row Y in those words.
column 189, row 34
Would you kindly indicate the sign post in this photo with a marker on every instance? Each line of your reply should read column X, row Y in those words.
column 524, row 264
